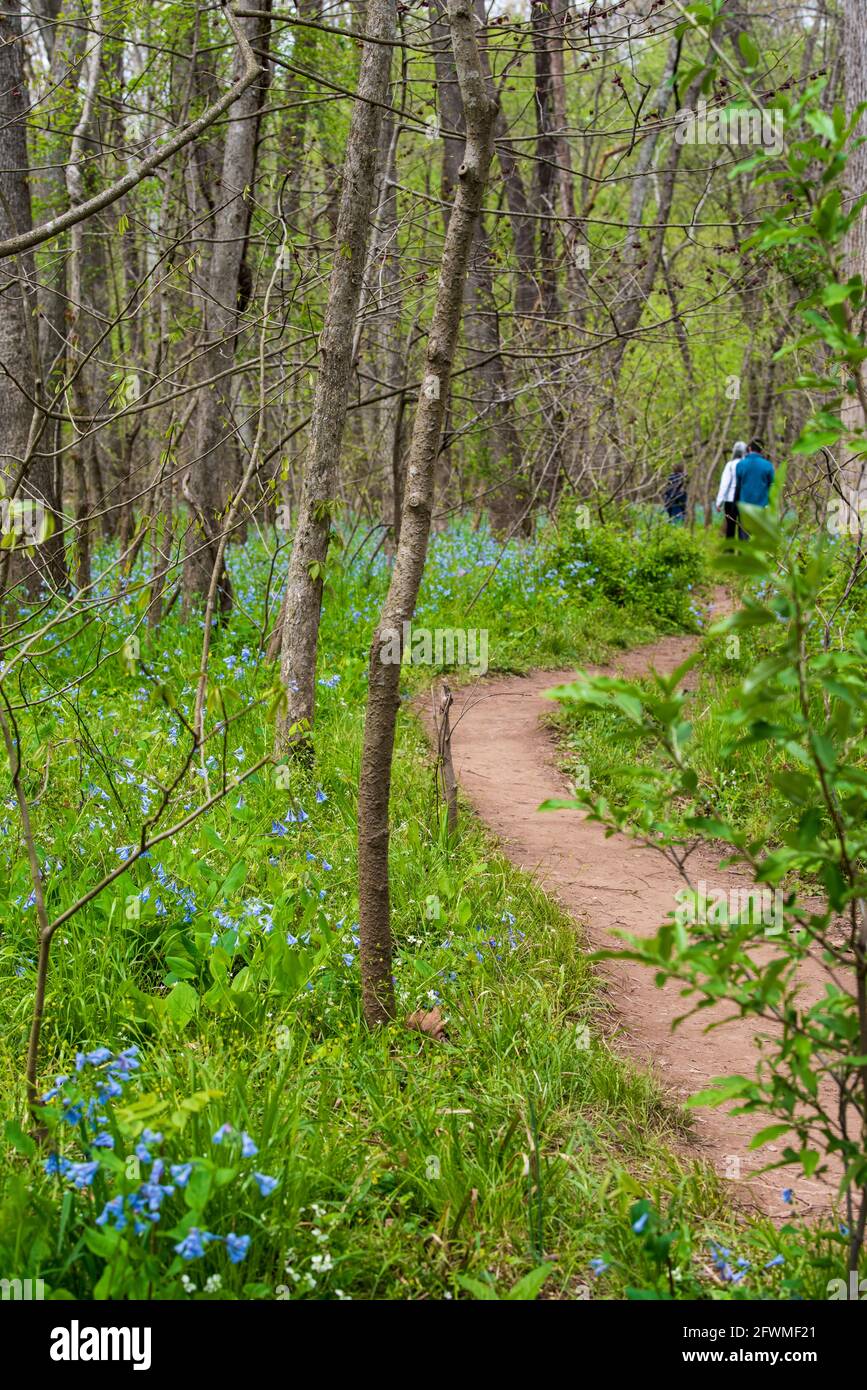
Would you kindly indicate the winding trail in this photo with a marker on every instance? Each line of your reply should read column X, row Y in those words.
column 505, row 763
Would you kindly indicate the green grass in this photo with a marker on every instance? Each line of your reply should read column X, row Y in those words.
column 403, row 1165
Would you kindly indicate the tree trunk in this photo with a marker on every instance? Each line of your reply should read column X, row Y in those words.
column 22, row 477
column 49, row 187
column 387, row 646
column 208, row 478
column 546, row 157
column 303, row 601
column 522, row 224
column 855, row 86
column 387, row 348
column 506, row 484
column 84, row 438
column 642, row 265
column 574, row 242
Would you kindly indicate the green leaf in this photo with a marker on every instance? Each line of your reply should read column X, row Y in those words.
column 182, row 1004
column 630, row 705
column 181, row 968
column 767, row 1135
column 234, row 878
column 478, row 1289
column 749, row 50
column 528, row 1287
column 198, row 1188
column 102, row 1243
column 724, row 1088
column 20, row 1141
column 823, row 125
column 811, row 441
column 837, row 294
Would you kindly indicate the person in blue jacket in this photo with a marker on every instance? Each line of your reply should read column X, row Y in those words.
column 753, row 478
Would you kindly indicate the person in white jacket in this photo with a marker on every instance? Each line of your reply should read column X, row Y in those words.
column 725, row 498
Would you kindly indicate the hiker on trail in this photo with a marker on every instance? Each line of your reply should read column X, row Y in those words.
column 675, row 494
column 725, row 498
column 753, row 478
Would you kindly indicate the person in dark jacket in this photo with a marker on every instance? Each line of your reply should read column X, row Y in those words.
column 675, row 494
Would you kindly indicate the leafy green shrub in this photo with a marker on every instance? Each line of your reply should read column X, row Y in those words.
column 637, row 560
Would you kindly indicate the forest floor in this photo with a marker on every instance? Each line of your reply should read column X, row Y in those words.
column 506, row 763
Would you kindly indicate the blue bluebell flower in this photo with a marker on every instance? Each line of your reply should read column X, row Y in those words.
column 113, row 1209
column 192, row 1247
column 59, row 1083
column 125, row 1062
column 154, row 1193
column 92, row 1059
column 237, row 1247
column 83, row 1174
column 265, row 1184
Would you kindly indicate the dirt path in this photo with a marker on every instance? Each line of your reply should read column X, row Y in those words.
column 505, row 763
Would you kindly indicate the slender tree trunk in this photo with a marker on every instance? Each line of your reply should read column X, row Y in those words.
column 303, row 601
column 49, row 186
column 387, row 349
column 855, row 86
column 546, row 156
column 83, row 457
column 23, row 477
column 505, row 476
column 572, row 238
column 305, row 44
column 522, row 224
column 387, row 646
column 647, row 149
column 207, row 481
column 642, row 265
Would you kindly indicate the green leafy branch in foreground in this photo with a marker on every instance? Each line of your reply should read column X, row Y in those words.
column 806, row 704
column 814, row 247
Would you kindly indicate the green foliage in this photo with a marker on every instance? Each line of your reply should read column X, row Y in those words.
column 804, row 707
column 812, row 179
column 228, row 956
column 640, row 562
